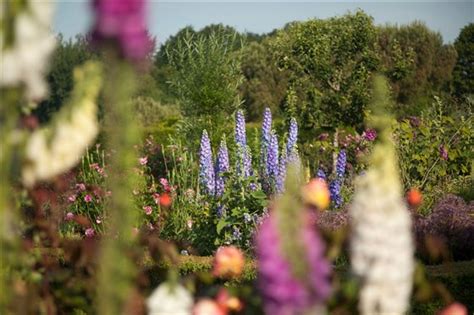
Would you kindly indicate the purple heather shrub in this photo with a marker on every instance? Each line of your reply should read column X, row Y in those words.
column 123, row 21
column 282, row 292
column 451, row 220
column 222, row 166
column 206, row 168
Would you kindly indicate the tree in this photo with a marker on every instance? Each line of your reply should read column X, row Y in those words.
column 464, row 68
column 206, row 76
column 330, row 63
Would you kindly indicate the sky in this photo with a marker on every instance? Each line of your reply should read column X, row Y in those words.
column 165, row 18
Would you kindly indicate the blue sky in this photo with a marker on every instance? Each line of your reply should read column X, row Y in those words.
column 167, row 17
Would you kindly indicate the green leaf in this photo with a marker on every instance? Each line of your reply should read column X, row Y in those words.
column 220, row 225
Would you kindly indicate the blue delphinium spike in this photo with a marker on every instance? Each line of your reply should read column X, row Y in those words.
column 206, row 168
column 272, row 161
column 292, row 137
column 336, row 184
column 244, row 157
column 321, row 174
column 222, row 166
column 341, row 164
column 264, row 144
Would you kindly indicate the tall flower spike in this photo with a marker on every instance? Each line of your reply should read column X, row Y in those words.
column 280, row 181
column 244, row 159
column 292, row 138
column 321, row 174
column 341, row 164
column 336, row 185
column 264, row 144
column 222, row 166
column 206, row 170
column 272, row 161
column 293, row 275
column 381, row 244
column 240, row 134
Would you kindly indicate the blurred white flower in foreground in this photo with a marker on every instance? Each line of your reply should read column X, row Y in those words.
column 25, row 59
column 168, row 300
column 54, row 149
column 381, row 242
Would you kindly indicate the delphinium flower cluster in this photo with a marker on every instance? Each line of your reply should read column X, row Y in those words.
column 336, row 184
column 381, row 243
column 206, row 166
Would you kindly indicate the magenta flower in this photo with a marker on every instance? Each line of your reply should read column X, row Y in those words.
column 282, row 292
column 71, row 198
column 164, row 182
column 124, row 22
column 143, row 160
column 148, row 210
column 81, row 187
column 90, row 232
column 370, row 134
column 88, row 198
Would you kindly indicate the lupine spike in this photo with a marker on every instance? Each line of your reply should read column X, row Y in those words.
column 272, row 160
column 264, row 144
column 321, row 174
column 291, row 145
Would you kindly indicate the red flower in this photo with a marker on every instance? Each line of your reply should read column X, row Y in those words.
column 165, row 200
column 414, row 197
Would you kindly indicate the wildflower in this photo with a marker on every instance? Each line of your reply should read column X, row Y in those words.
column 443, row 152
column 247, row 218
column 414, row 197
column 165, row 200
column 222, row 166
column 148, row 210
column 206, row 170
column 341, row 164
column 90, row 232
column 228, row 262
column 71, row 198
column 244, row 160
column 221, row 210
column 156, row 198
column 69, row 216
column 316, row 193
column 143, row 160
column 283, row 293
column 381, row 244
column 98, row 220
column 88, row 198
column 292, row 138
column 81, row 187
column 336, row 184
column 123, row 21
column 236, row 234
column 272, row 161
column 189, row 224
column 25, row 61
column 207, row 306
column 166, row 185
column 170, row 299
column 370, row 134
column 321, row 174
column 264, row 144
column 280, row 180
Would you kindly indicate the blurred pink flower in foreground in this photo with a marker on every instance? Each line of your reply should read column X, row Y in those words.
column 228, row 262
column 123, row 21
column 454, row 309
column 207, row 307
column 69, row 216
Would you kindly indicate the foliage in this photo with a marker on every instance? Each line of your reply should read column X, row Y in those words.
column 330, row 63
column 464, row 68
column 68, row 54
column 206, row 79
column 151, row 112
column 434, row 149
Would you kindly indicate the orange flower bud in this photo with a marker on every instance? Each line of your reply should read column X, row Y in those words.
column 316, row 193
column 228, row 262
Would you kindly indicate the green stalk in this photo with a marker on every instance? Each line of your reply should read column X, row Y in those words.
column 116, row 270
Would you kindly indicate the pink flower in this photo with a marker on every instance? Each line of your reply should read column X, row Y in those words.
column 69, row 216
column 98, row 220
column 71, row 198
column 228, row 262
column 455, row 308
column 189, row 223
column 81, row 187
column 156, row 198
column 90, row 232
column 148, row 210
column 165, row 184
column 143, row 160
column 207, row 306
column 88, row 198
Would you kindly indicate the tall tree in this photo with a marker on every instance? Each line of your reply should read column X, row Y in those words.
column 464, row 69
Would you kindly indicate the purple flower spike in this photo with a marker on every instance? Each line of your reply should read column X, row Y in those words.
column 264, row 144
column 272, row 160
column 341, row 164
column 443, row 152
column 244, row 160
column 292, row 137
column 321, row 174
column 222, row 166
column 206, row 170
column 282, row 292
column 240, row 134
